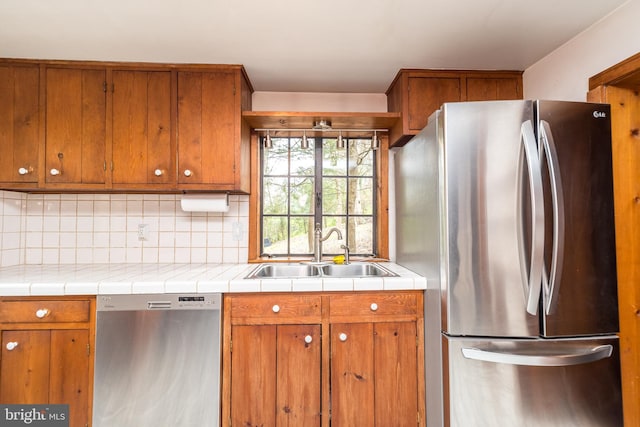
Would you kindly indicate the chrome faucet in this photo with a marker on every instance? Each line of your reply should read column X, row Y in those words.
column 318, row 239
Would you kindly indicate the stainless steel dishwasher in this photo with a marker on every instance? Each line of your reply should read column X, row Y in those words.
column 157, row 361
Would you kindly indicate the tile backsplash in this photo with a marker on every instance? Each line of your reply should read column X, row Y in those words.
column 118, row 228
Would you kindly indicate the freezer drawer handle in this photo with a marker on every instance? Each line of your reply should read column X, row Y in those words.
column 579, row 357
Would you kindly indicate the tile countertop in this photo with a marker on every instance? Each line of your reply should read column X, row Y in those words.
column 95, row 279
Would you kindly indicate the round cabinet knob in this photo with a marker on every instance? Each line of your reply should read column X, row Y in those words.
column 54, row 172
column 276, row 308
column 23, row 171
column 187, row 172
column 11, row 345
column 342, row 336
column 42, row 313
column 308, row 339
column 157, row 172
column 374, row 306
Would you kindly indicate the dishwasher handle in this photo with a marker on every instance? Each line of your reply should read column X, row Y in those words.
column 159, row 305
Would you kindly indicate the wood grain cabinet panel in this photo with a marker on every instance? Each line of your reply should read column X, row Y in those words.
column 374, row 379
column 143, row 155
column 427, row 94
column 48, row 360
column 276, row 308
column 91, row 126
column 345, row 366
column 19, row 124
column 488, row 89
column 275, row 375
column 213, row 143
column 75, row 144
column 416, row 94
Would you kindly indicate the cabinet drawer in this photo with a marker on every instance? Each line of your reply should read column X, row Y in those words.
column 265, row 309
column 367, row 307
column 44, row 311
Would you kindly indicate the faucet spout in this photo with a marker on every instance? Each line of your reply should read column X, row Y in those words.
column 318, row 239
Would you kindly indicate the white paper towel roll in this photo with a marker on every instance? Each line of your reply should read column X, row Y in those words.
column 205, row 203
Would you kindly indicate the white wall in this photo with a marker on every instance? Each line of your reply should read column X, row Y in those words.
column 324, row 102
column 564, row 74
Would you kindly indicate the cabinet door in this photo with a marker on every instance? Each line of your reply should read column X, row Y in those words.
column 207, row 134
column 253, row 376
column 275, row 375
column 488, row 89
column 374, row 376
column 352, row 375
column 298, row 375
column 75, row 126
column 19, row 120
column 427, row 94
column 24, row 367
column 69, row 376
column 396, row 385
column 142, row 128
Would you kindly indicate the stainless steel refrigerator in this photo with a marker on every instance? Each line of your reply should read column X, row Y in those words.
column 507, row 208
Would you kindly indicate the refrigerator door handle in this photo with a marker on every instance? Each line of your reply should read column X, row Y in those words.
column 579, row 357
column 548, row 150
column 531, row 280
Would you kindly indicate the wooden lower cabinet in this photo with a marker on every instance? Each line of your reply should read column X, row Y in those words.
column 294, row 363
column 46, row 355
column 374, row 379
column 276, row 375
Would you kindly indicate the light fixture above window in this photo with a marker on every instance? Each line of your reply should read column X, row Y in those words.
column 323, row 126
column 375, row 142
column 340, row 142
column 267, row 141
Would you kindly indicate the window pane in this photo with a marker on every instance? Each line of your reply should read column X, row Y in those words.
column 345, row 178
column 275, row 196
column 302, row 196
column 360, row 196
column 302, row 160
column 276, row 159
column 275, row 234
column 361, row 235
column 334, row 161
column 301, row 235
column 332, row 244
column 360, row 158
column 334, row 196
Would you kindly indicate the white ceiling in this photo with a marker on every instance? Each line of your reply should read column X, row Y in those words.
column 300, row 45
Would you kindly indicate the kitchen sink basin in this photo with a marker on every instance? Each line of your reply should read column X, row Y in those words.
column 280, row 271
column 364, row 269
column 302, row 270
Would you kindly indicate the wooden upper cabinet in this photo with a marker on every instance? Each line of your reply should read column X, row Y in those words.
column 487, row 89
column 75, row 133
column 416, row 94
column 88, row 125
column 213, row 143
column 427, row 94
column 142, row 148
column 19, row 123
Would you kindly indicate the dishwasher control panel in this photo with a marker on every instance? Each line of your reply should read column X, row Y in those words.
column 159, row 302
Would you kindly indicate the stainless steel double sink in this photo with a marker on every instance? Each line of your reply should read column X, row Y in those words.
column 302, row 270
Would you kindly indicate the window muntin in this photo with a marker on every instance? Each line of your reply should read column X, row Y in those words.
column 322, row 184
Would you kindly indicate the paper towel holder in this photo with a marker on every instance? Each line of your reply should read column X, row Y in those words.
column 205, row 202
